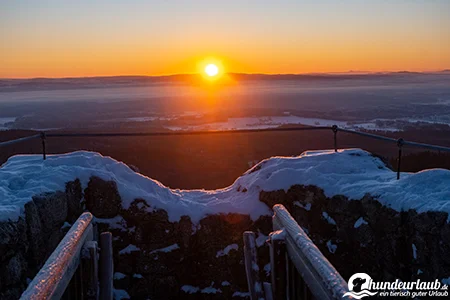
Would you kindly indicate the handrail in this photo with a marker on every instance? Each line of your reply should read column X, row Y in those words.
column 19, row 140
column 206, row 132
column 323, row 280
column 54, row 277
column 370, row 135
column 187, row 132
column 335, row 129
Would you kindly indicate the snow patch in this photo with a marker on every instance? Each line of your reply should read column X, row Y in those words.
column 241, row 294
column 24, row 176
column 128, row 249
column 189, row 289
column 5, row 121
column 260, row 123
column 210, row 290
column 118, row 222
column 227, row 250
column 414, row 250
column 331, row 247
column 166, row 249
column 118, row 276
column 350, row 172
column 66, row 225
column 225, row 283
column 258, row 287
column 261, row 240
column 360, row 222
column 329, row 219
column 307, row 206
column 120, row 294
column 139, row 276
column 267, row 269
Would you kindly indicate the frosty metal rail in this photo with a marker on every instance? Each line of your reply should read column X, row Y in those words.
column 308, row 274
column 61, row 273
column 335, row 129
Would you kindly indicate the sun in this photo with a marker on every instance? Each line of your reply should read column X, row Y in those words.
column 211, row 70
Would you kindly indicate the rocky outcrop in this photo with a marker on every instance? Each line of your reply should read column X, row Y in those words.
column 365, row 236
column 26, row 243
column 102, row 198
column 159, row 259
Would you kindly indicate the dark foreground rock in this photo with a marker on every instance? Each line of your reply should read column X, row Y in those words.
column 25, row 244
column 159, row 259
column 365, row 236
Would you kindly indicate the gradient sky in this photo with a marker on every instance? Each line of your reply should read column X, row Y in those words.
column 112, row 37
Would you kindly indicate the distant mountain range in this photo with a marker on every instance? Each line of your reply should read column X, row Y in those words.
column 8, row 85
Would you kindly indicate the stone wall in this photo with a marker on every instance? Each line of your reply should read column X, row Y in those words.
column 25, row 244
column 365, row 236
column 174, row 260
column 158, row 259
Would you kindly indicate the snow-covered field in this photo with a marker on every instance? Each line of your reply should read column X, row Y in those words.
column 350, row 172
column 361, row 100
column 260, row 123
column 4, row 121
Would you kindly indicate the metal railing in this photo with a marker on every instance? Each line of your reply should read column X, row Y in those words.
column 298, row 269
column 72, row 270
column 335, row 129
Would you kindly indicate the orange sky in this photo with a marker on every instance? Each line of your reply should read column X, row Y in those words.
column 61, row 39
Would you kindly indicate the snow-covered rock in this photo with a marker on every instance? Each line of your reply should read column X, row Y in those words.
column 350, row 199
column 350, row 172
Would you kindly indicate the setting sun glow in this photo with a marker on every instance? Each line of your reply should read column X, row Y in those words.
column 211, row 70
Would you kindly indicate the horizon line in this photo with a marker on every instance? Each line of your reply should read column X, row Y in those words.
column 350, row 72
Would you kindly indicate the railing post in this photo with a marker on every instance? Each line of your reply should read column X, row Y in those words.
column 255, row 286
column 106, row 266
column 335, row 130
column 304, row 258
column 90, row 270
column 43, row 145
column 277, row 249
column 400, row 143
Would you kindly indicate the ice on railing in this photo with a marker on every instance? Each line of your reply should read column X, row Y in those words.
column 277, row 235
column 56, row 273
column 328, row 274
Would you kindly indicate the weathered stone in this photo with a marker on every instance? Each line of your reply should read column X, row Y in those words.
column 429, row 222
column 52, row 210
column 34, row 233
column 184, row 228
column 13, row 237
column 12, row 293
column 13, row 270
column 102, row 198
column 74, row 194
column 27, row 243
column 383, row 247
